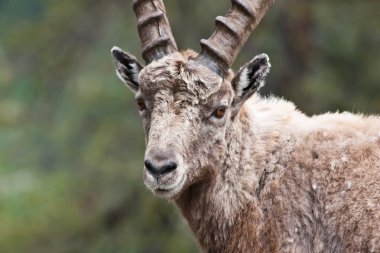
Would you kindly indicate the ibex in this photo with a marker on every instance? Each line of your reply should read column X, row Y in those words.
column 249, row 174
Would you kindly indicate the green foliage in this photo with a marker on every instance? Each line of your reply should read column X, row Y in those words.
column 71, row 142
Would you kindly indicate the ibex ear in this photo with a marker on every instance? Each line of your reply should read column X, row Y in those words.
column 127, row 68
column 250, row 78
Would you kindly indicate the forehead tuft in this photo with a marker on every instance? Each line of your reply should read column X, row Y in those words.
column 177, row 72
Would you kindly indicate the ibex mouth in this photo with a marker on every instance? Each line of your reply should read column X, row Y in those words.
column 170, row 191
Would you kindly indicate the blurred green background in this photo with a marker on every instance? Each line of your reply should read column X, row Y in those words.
column 71, row 141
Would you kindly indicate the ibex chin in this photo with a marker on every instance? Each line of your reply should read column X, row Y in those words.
column 249, row 174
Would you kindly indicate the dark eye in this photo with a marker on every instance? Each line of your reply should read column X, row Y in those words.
column 141, row 104
column 219, row 113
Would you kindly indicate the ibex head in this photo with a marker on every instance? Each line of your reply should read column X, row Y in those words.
column 188, row 101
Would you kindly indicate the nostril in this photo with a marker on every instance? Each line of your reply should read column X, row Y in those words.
column 169, row 167
column 149, row 166
column 160, row 170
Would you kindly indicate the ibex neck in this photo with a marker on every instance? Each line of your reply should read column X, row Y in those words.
column 217, row 207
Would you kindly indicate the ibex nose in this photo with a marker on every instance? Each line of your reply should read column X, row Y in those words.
column 158, row 170
column 160, row 164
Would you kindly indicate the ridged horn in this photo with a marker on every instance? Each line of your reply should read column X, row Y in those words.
column 231, row 33
column 154, row 30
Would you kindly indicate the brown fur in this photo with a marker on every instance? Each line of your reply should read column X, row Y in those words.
column 268, row 179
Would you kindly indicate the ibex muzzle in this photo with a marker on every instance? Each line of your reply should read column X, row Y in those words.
column 163, row 171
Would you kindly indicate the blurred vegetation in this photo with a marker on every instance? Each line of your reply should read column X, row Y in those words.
column 71, row 141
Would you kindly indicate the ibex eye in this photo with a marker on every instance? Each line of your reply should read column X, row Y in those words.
column 141, row 104
column 220, row 112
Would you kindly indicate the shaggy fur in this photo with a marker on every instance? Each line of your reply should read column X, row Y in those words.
column 265, row 177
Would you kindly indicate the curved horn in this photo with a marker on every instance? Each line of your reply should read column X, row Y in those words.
column 232, row 31
column 154, row 29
